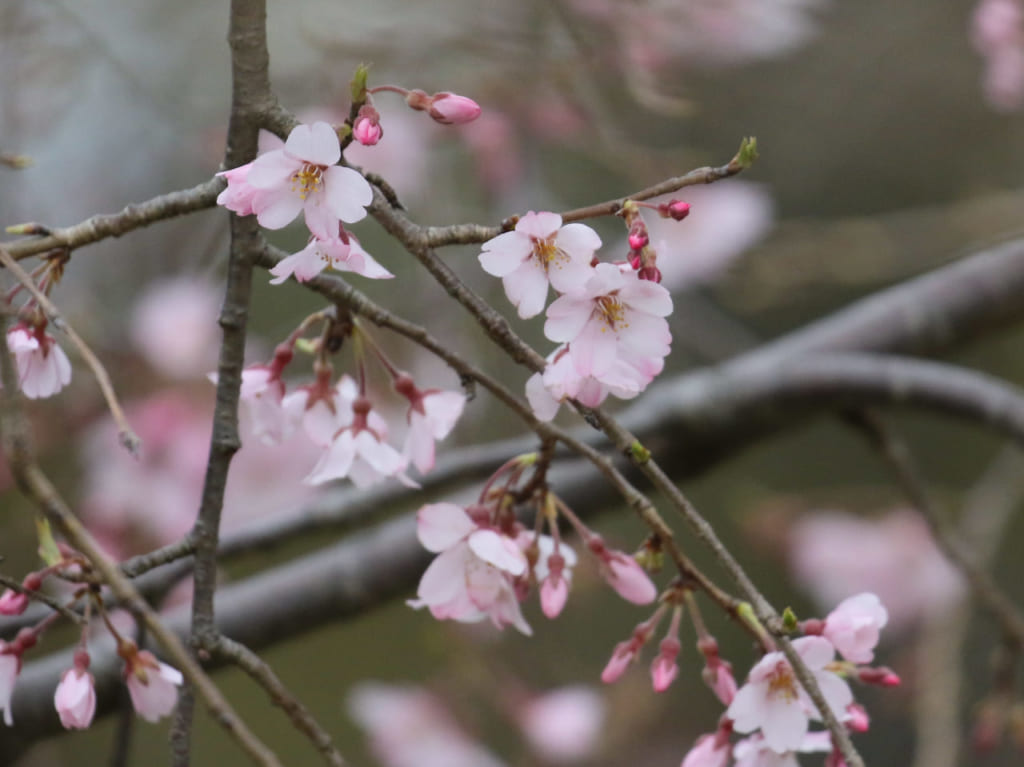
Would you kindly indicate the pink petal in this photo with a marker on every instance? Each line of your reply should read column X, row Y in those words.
column 347, row 194
column 527, row 289
column 540, row 225
column 317, row 144
column 498, row 550
column 566, row 318
column 440, row 526
column 278, row 208
column 783, row 724
column 505, row 253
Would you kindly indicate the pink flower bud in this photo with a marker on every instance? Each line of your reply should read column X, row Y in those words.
column 13, row 603
column 75, row 698
column 625, row 575
column 675, row 209
column 622, row 656
column 635, row 260
column 638, row 239
column 650, row 273
column 366, row 128
column 718, row 676
column 152, row 685
column 857, row 720
column 881, row 675
column 664, row 669
column 452, row 109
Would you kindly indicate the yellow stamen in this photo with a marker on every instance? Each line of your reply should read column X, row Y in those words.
column 612, row 312
column 308, row 179
column 548, row 254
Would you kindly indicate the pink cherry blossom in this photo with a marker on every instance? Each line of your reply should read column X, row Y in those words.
column 152, row 685
column 10, row 666
column 717, row 673
column 625, row 652
column 998, row 35
column 853, row 627
column 262, row 393
column 710, row 750
column 366, row 129
column 43, row 368
column 773, row 701
column 614, row 317
column 755, row 752
column 302, row 177
column 432, row 416
column 323, row 410
column 471, row 578
column 239, row 194
column 664, row 668
column 540, row 250
column 75, row 699
column 341, row 253
column 564, row 725
column 560, row 380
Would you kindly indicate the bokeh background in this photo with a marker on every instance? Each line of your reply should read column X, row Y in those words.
column 891, row 142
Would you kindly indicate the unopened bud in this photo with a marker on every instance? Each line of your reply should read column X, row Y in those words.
column 674, row 209
column 650, row 273
column 452, row 109
column 366, row 129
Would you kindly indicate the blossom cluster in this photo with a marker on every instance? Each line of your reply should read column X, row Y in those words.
column 340, row 418
column 488, row 562
column 152, row 685
column 772, row 708
column 609, row 318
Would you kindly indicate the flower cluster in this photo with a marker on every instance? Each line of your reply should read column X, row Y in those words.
column 488, row 561
column 609, row 318
column 340, row 417
column 774, row 711
column 152, row 685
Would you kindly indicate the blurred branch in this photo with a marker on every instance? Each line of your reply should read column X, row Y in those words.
column 134, row 216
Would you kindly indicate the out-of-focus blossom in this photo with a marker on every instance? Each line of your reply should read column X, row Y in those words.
column 43, row 367
column 835, row 554
column 538, row 252
column 174, row 326
column 997, row 32
column 853, row 627
column 774, row 702
column 564, row 725
column 409, row 727
column 13, row 603
column 342, row 255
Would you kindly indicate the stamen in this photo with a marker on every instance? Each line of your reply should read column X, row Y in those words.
column 548, row 254
column 782, row 684
column 612, row 312
column 308, row 179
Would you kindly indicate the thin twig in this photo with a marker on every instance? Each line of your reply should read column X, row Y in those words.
column 37, row 596
column 241, row 656
column 127, row 436
column 134, row 216
column 901, row 463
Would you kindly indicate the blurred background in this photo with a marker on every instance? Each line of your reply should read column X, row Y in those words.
column 891, row 143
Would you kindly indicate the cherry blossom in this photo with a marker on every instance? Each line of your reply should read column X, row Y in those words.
column 540, row 250
column 560, row 380
column 10, row 666
column 302, row 177
column 366, row 128
column 43, row 368
column 262, row 393
column 755, row 752
column 342, row 253
column 564, row 725
column 432, row 416
column 773, row 702
column 854, row 625
column 444, row 107
column 75, row 698
column 471, row 578
column 238, row 196
column 553, row 571
column 625, row 575
column 616, row 316
column 710, row 750
column 323, row 410
column 152, row 685
column 997, row 32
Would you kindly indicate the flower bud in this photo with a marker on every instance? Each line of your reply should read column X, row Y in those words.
column 452, row 109
column 366, row 128
column 674, row 209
